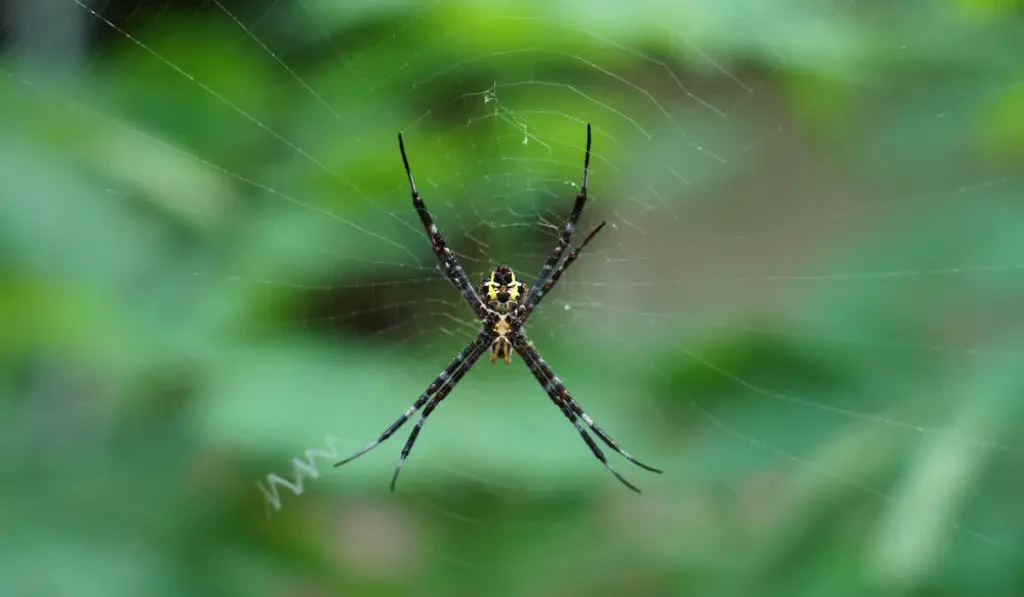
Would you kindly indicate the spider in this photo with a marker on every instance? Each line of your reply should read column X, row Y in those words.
column 503, row 304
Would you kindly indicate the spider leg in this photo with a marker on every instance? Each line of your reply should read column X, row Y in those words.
column 547, row 376
column 452, row 373
column 434, row 401
column 558, row 393
column 570, row 226
column 593, row 447
column 453, row 270
column 528, row 307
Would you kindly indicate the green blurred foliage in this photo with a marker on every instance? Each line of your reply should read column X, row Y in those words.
column 209, row 266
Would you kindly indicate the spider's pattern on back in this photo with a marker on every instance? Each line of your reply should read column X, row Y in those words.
column 503, row 304
column 502, row 291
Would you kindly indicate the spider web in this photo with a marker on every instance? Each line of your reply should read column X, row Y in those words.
column 807, row 295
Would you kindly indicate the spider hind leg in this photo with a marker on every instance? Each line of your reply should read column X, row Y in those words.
column 558, row 393
column 434, row 394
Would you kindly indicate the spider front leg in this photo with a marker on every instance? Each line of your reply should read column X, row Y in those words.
column 453, row 270
column 434, row 394
column 566, row 237
column 530, row 305
column 558, row 393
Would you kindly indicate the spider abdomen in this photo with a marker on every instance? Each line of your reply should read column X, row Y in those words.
column 502, row 290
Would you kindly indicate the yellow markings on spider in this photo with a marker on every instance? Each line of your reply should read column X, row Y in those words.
column 504, row 295
column 513, row 290
column 502, row 288
column 492, row 291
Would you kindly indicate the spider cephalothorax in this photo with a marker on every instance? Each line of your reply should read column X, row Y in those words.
column 503, row 309
column 501, row 346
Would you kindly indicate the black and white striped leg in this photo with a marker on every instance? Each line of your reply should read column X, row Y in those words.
column 557, row 392
column 431, row 405
column 593, row 446
column 447, row 378
column 555, row 387
column 540, row 294
column 453, row 270
column 570, row 226
column 415, row 433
